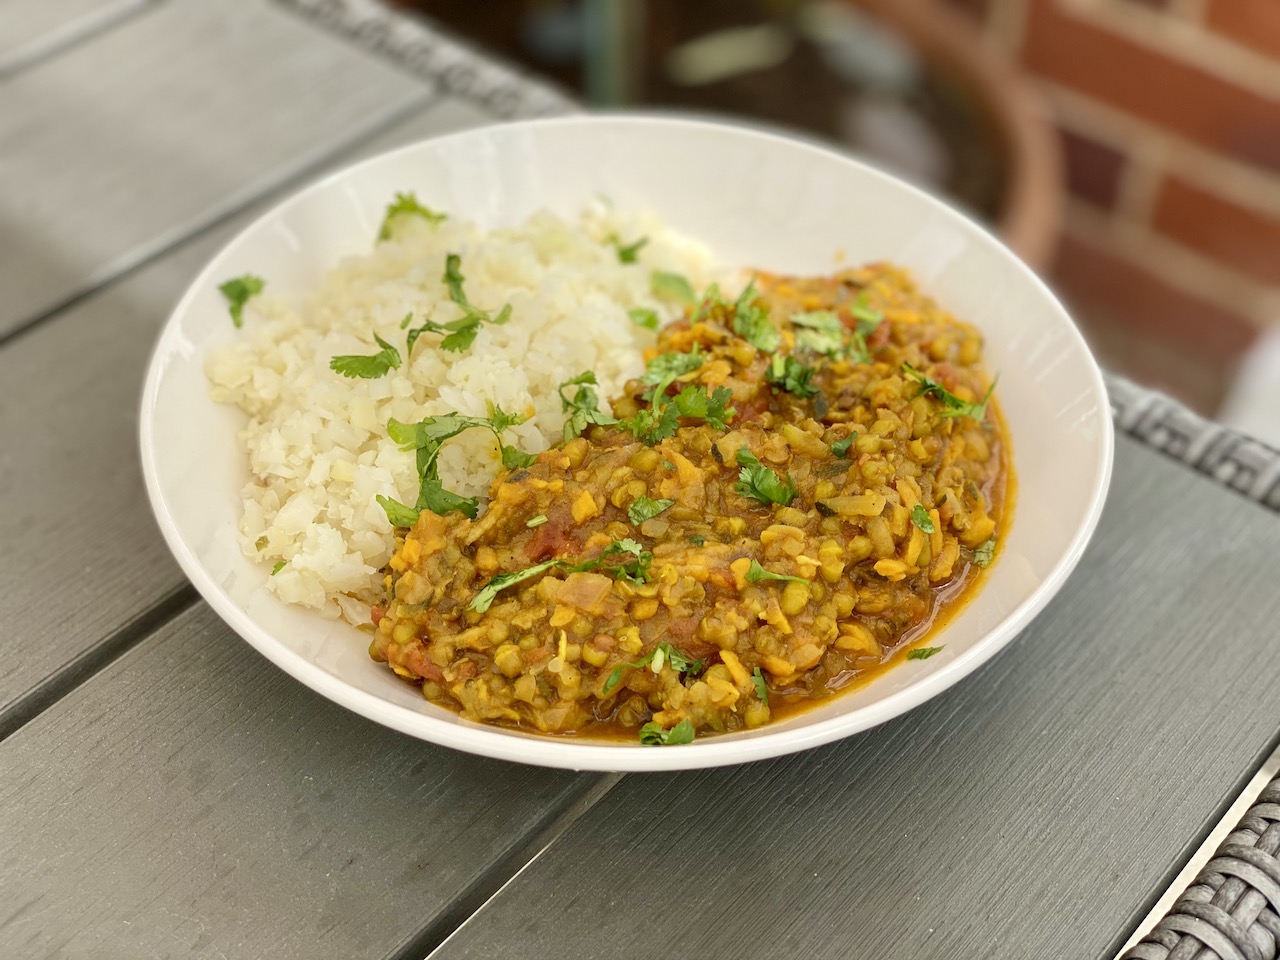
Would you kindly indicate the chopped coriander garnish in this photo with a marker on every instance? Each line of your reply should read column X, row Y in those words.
column 583, row 407
column 622, row 560
column 868, row 317
column 537, row 521
column 398, row 513
column 368, row 367
column 668, row 465
column 823, row 332
column 627, row 253
column 985, row 553
column 920, row 517
column 646, row 508
column 489, row 592
column 659, row 421
column 791, row 375
column 406, row 203
column 461, row 333
column 922, row 653
column 280, row 565
column 663, row 654
column 661, row 418
column 653, row 734
column 513, row 458
column 759, row 482
column 756, row 573
column 426, row 437
column 240, row 291
column 751, row 322
column 841, row 447
column 697, row 541
column 669, row 367
column 952, row 405
column 644, row 317
column 671, row 286
column 762, row 688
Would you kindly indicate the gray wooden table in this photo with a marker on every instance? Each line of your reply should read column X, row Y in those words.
column 165, row 792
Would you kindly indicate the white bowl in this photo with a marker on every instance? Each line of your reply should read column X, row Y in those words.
column 758, row 199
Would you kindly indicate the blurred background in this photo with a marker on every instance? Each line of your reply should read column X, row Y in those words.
column 1128, row 149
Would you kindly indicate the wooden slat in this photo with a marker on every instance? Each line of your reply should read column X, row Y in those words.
column 193, row 801
column 33, row 29
column 1032, row 811
column 141, row 135
column 83, row 559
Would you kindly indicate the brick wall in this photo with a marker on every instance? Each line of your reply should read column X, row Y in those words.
column 1169, row 113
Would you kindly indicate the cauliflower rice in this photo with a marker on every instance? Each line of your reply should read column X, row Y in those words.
column 317, row 446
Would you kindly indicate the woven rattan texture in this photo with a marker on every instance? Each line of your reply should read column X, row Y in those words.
column 1232, row 910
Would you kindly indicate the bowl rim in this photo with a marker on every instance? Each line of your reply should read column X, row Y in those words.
column 569, row 753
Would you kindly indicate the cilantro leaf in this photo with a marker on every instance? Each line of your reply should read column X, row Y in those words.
column 660, row 419
column 922, row 653
column 646, row 508
column 644, row 317
column 671, row 286
column 653, row 734
column 985, row 553
column 655, row 659
column 756, row 573
column 461, row 332
column 762, row 689
column 514, row 458
column 694, row 401
column 623, row 560
column 280, row 565
column 406, row 203
column 583, row 407
column 867, row 316
column 698, row 541
column 671, row 366
column 483, row 600
column 239, row 291
column 792, row 376
column 537, row 521
column 370, row 367
column 434, row 497
column 952, row 405
column 397, row 512
column 427, row 436
column 920, row 517
column 823, row 332
column 751, row 322
column 627, row 253
column 841, row 447
column 758, row 482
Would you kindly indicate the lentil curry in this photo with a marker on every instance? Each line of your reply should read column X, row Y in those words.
column 802, row 481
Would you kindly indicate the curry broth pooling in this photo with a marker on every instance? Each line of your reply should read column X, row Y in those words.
column 847, row 495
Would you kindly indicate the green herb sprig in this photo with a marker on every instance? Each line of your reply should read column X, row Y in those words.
column 758, row 482
column 653, row 734
column 920, row 517
column 406, row 204
column 239, row 291
column 952, row 405
column 756, row 573
column 368, row 367
column 426, row 437
column 646, row 508
column 583, row 406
